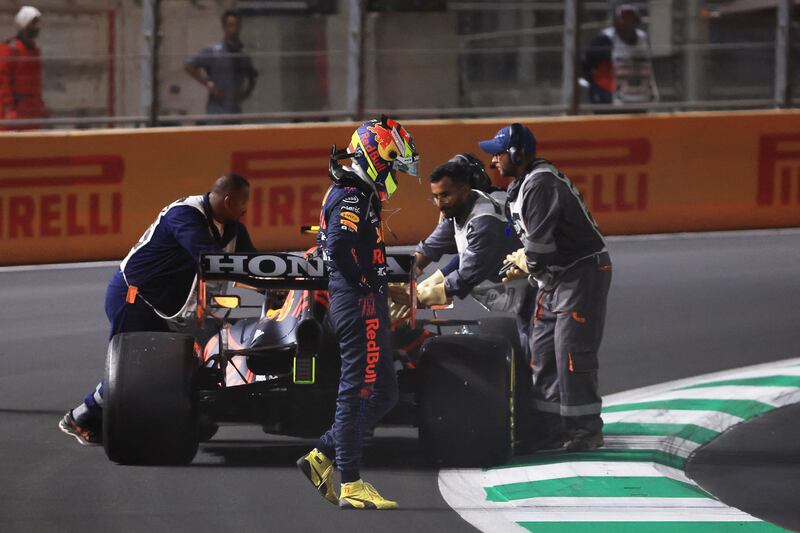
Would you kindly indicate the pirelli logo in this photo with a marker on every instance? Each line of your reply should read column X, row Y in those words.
column 612, row 174
column 286, row 186
column 60, row 196
column 779, row 170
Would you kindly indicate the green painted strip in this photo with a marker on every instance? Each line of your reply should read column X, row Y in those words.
column 742, row 408
column 650, row 527
column 607, row 455
column 690, row 432
column 595, row 487
column 761, row 381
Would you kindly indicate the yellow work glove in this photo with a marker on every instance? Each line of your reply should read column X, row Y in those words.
column 434, row 279
column 399, row 294
column 520, row 268
column 432, row 294
column 518, row 259
column 398, row 311
column 514, row 274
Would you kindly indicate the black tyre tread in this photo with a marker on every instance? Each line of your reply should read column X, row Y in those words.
column 149, row 415
column 506, row 327
column 501, row 326
column 465, row 407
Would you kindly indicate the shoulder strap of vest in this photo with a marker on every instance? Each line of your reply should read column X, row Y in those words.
column 544, row 167
column 488, row 198
column 485, row 205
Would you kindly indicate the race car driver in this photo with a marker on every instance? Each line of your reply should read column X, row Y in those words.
column 155, row 282
column 565, row 254
column 351, row 241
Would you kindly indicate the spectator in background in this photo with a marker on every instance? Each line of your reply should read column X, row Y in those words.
column 617, row 64
column 225, row 70
column 21, row 70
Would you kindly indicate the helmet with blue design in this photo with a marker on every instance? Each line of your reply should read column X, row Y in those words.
column 381, row 149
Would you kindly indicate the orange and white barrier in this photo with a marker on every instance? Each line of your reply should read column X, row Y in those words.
column 75, row 196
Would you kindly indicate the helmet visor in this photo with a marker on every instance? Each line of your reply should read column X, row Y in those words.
column 408, row 160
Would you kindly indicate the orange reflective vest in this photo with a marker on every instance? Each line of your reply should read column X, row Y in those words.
column 20, row 81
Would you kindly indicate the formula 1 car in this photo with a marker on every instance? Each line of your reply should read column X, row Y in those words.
column 165, row 392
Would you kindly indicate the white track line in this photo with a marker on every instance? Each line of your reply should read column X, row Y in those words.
column 704, row 234
column 670, row 445
column 713, row 420
column 624, row 514
column 635, row 395
column 599, row 503
column 772, row 395
column 522, row 474
column 58, row 266
column 614, row 238
column 465, row 489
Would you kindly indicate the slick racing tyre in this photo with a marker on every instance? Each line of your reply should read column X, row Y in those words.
column 465, row 416
column 149, row 416
column 506, row 328
column 503, row 327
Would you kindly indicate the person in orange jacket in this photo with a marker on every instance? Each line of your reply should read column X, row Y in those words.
column 21, row 70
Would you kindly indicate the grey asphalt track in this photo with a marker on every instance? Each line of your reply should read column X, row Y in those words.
column 728, row 466
column 679, row 306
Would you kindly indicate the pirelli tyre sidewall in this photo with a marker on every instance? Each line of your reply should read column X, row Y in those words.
column 466, row 400
column 149, row 414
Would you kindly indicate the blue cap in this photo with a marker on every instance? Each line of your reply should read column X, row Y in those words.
column 502, row 141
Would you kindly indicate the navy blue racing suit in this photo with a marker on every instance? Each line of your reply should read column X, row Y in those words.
column 162, row 267
column 352, row 247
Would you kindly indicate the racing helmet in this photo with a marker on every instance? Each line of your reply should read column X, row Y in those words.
column 478, row 179
column 381, row 149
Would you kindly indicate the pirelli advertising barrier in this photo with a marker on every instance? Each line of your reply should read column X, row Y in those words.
column 89, row 195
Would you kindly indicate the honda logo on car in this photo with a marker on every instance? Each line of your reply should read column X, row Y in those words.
column 264, row 265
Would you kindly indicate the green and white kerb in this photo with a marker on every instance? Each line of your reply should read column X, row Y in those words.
column 636, row 482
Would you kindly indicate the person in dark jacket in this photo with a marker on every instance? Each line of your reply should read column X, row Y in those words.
column 351, row 241
column 21, row 70
column 565, row 254
column 474, row 226
column 478, row 180
column 155, row 282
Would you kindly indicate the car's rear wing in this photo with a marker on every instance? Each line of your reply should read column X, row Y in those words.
column 288, row 270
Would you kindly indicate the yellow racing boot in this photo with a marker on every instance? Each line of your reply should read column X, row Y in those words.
column 319, row 469
column 360, row 495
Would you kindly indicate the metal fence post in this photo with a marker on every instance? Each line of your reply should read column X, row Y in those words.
column 692, row 54
column 570, row 96
column 355, row 59
column 149, row 64
column 783, row 55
